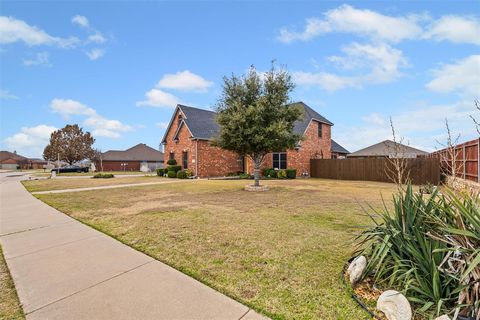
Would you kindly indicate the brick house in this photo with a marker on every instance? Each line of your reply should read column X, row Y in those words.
column 338, row 152
column 137, row 158
column 190, row 131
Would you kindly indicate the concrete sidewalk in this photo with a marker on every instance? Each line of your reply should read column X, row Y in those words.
column 63, row 269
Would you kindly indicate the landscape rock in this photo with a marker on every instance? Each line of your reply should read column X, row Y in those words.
column 443, row 317
column 356, row 269
column 394, row 305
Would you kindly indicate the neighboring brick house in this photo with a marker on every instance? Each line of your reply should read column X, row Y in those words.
column 138, row 158
column 13, row 161
column 188, row 135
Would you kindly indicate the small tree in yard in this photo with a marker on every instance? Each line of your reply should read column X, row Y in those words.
column 254, row 116
column 69, row 144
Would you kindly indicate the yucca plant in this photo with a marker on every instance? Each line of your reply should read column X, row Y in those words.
column 407, row 248
column 457, row 223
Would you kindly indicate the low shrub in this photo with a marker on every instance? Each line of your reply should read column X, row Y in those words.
column 266, row 171
column 245, row 176
column 182, row 174
column 160, row 172
column 171, row 162
column 282, row 174
column 269, row 173
column 291, row 173
column 189, row 173
column 174, row 168
column 103, row 176
column 171, row 174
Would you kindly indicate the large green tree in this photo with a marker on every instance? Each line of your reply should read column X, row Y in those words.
column 69, row 144
column 254, row 116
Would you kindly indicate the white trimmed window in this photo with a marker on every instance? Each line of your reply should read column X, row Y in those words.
column 279, row 160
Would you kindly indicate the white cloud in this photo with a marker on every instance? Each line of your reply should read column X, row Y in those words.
column 367, row 23
column 162, row 125
column 13, row 30
column 375, row 119
column 6, row 95
column 366, row 64
column 69, row 107
column 184, row 81
column 421, row 125
column 30, row 141
column 97, row 37
column 82, row 21
column 95, row 53
column 159, row 98
column 102, row 127
column 41, row 58
column 456, row 29
column 462, row 77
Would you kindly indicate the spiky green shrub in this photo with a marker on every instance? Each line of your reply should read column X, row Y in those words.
column 409, row 248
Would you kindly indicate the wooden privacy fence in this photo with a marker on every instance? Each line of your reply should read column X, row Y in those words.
column 422, row 170
column 466, row 157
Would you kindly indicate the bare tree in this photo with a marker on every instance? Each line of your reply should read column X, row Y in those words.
column 449, row 154
column 397, row 169
column 97, row 157
column 477, row 122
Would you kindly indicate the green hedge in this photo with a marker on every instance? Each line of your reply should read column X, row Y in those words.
column 282, row 174
column 103, row 176
column 182, row 174
column 161, row 172
column 171, row 174
column 174, row 168
column 291, row 173
column 171, row 162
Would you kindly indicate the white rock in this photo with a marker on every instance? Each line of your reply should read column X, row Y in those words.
column 394, row 305
column 356, row 268
column 444, row 317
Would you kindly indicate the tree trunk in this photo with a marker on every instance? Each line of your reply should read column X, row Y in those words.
column 257, row 162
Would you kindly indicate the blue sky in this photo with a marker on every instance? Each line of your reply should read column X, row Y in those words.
column 119, row 68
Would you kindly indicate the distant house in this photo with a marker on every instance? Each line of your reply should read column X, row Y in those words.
column 388, row 149
column 14, row 161
column 338, row 152
column 190, row 131
column 138, row 158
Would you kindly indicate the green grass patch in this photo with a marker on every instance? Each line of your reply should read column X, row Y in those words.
column 280, row 252
column 10, row 308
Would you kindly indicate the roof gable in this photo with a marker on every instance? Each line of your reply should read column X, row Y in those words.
column 139, row 152
column 385, row 148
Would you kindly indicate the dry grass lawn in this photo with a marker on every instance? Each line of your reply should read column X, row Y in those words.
column 72, row 183
column 10, row 308
column 280, row 252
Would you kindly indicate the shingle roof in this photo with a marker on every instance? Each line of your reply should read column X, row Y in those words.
column 386, row 148
column 140, row 152
column 4, row 155
column 338, row 148
column 202, row 123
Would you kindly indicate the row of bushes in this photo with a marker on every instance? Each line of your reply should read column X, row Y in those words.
column 174, row 171
column 103, row 176
column 289, row 173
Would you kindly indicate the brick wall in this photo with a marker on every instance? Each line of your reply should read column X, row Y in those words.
column 211, row 162
column 116, row 166
column 312, row 147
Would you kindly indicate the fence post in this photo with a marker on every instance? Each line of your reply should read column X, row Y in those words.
column 464, row 162
column 478, row 160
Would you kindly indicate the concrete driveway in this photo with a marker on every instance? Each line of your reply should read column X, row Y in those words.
column 63, row 269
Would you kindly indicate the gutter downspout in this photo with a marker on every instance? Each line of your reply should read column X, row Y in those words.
column 196, row 157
